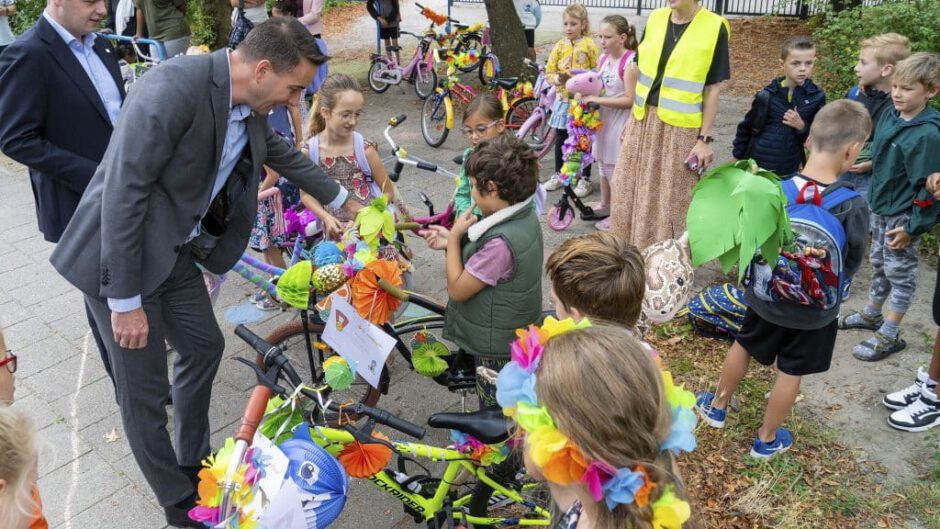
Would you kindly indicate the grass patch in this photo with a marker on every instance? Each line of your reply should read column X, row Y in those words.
column 820, row 483
column 923, row 494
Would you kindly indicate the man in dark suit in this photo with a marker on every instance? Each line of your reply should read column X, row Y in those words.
column 60, row 94
column 186, row 194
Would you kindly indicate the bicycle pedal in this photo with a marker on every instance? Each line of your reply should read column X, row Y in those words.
column 499, row 500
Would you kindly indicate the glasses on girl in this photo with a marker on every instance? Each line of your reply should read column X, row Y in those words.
column 9, row 361
column 479, row 131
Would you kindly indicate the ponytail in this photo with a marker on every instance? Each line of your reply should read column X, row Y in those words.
column 332, row 86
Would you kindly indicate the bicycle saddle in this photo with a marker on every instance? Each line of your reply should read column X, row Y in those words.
column 393, row 48
column 489, row 425
column 505, row 82
column 461, row 26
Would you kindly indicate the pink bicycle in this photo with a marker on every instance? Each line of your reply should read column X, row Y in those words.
column 385, row 71
column 536, row 131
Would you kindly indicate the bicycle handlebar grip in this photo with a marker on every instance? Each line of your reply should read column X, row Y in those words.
column 427, row 166
column 254, row 411
column 419, row 6
column 386, row 418
column 396, row 172
column 252, row 339
column 397, row 120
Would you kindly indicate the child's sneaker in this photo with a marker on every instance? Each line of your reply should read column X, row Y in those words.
column 259, row 296
column 781, row 443
column 552, row 183
column 582, row 188
column 922, row 415
column 267, row 304
column 712, row 416
column 903, row 398
column 878, row 347
column 846, row 289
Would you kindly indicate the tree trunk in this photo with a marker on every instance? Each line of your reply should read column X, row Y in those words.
column 507, row 36
column 211, row 22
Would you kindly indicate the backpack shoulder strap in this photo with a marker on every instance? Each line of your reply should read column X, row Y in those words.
column 359, row 147
column 843, row 194
column 313, row 146
column 602, row 61
column 623, row 62
column 853, row 93
column 790, row 190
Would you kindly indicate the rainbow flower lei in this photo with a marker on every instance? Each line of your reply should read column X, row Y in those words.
column 560, row 460
column 583, row 124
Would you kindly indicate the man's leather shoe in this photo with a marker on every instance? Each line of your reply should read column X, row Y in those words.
column 178, row 514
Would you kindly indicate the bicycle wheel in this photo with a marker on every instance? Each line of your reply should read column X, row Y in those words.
column 489, row 69
column 538, row 134
column 470, row 44
column 434, row 120
column 425, row 80
column 557, row 221
column 519, row 111
column 485, row 504
column 376, row 71
column 289, row 337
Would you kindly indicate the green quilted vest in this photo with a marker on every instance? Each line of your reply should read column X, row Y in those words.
column 486, row 323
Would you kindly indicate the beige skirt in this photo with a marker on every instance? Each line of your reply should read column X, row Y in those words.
column 651, row 186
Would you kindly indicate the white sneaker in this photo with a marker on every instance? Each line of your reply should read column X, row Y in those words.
column 553, row 183
column 921, row 415
column 583, row 188
column 905, row 397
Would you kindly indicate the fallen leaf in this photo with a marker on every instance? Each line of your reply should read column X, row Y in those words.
column 112, row 436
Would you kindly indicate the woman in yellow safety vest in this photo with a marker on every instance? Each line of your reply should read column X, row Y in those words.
column 680, row 65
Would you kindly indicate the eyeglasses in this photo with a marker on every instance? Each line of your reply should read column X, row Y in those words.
column 9, row 361
column 479, row 131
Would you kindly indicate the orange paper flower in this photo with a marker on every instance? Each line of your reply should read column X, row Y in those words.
column 365, row 460
column 371, row 302
column 642, row 497
column 565, row 466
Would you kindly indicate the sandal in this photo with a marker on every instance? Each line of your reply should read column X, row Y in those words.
column 878, row 347
column 858, row 320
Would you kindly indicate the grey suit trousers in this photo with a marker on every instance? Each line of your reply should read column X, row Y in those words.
column 180, row 312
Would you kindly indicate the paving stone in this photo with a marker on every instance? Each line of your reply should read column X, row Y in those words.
column 62, row 378
column 95, row 434
column 13, row 234
column 61, row 445
column 17, row 277
column 33, row 245
column 12, row 313
column 73, row 327
column 93, row 403
column 33, row 406
column 53, row 309
column 77, row 486
column 127, row 509
column 43, row 355
column 127, row 468
column 49, row 286
column 25, row 333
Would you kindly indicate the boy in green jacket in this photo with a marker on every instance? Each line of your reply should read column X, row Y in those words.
column 904, row 153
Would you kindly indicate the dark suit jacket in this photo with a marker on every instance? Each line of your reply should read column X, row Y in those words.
column 52, row 120
column 156, row 178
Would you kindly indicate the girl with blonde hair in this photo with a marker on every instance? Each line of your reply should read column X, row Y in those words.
column 17, row 469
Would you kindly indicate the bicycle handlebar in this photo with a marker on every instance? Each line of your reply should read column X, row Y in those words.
column 274, row 359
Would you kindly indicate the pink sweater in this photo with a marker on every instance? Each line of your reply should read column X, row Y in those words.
column 312, row 19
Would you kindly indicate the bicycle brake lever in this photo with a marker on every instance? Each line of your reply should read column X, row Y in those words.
column 263, row 378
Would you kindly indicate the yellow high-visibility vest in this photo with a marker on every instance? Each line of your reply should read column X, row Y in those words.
column 681, row 93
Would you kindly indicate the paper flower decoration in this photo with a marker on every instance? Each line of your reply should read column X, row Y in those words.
column 736, row 209
column 365, row 460
column 293, row 287
column 477, row 450
column 435, row 17
column 372, row 302
column 670, row 512
column 326, row 302
column 327, row 253
column 337, row 373
column 297, row 222
column 280, row 419
column 328, row 278
column 246, row 477
column 426, row 358
column 376, row 220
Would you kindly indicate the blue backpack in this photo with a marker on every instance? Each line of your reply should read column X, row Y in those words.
column 717, row 312
column 808, row 273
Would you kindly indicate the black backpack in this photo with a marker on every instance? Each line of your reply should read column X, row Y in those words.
column 760, row 107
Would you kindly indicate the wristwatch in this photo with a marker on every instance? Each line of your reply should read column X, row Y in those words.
column 705, row 139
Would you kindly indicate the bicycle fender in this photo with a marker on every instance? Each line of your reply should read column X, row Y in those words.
column 449, row 108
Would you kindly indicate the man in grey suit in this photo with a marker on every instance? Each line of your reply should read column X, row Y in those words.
column 185, row 194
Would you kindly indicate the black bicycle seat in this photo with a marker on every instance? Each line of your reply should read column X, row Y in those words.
column 393, row 48
column 489, row 425
column 461, row 26
column 505, row 82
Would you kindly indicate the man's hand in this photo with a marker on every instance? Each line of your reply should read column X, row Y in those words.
column 861, row 167
column 436, row 237
column 792, row 119
column 332, row 226
column 933, row 185
column 898, row 238
column 130, row 328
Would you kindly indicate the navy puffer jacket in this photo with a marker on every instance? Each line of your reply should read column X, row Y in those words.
column 779, row 147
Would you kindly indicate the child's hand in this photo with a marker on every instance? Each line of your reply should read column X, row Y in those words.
column 562, row 78
column 861, row 167
column 933, row 185
column 590, row 99
column 463, row 223
column 898, row 239
column 332, row 226
column 436, row 237
column 792, row 119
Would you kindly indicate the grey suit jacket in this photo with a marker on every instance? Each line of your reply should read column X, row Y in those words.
column 155, row 181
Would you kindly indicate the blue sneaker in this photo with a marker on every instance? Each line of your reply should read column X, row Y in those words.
column 846, row 287
column 714, row 417
column 781, row 443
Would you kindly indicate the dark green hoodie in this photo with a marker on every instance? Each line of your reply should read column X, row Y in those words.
column 904, row 153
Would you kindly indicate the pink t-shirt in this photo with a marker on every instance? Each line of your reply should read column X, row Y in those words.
column 492, row 263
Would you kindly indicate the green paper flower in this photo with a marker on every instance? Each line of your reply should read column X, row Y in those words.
column 374, row 220
column 274, row 420
column 427, row 360
column 293, row 287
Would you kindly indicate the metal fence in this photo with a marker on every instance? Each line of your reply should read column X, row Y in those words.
column 791, row 8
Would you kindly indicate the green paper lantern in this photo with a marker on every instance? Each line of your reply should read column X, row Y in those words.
column 427, row 360
column 293, row 287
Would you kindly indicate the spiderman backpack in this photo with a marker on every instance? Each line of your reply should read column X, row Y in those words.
column 809, row 272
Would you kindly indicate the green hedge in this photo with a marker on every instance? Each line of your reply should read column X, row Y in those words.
column 837, row 36
column 27, row 13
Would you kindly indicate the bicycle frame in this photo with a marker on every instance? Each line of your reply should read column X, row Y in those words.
column 410, row 69
column 333, row 440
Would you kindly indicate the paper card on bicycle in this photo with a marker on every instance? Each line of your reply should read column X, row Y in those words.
column 364, row 346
